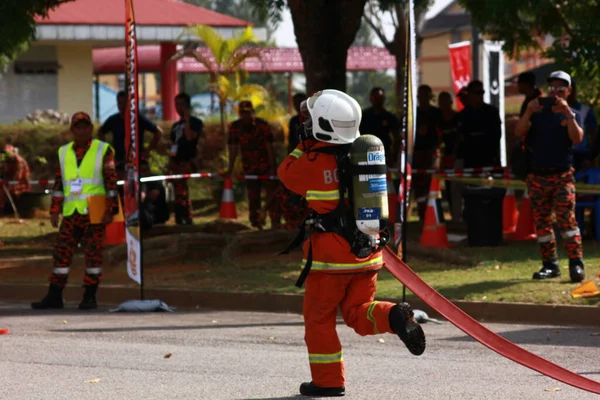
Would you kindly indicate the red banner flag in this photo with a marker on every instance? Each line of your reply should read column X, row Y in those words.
column 132, row 181
column 460, row 64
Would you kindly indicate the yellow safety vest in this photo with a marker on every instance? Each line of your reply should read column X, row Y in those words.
column 88, row 176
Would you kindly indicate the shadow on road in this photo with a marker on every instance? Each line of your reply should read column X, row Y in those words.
column 179, row 328
column 550, row 336
column 278, row 398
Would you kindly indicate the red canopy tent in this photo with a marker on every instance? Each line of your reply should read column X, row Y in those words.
column 273, row 60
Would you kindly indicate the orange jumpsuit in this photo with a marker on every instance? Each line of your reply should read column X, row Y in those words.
column 337, row 277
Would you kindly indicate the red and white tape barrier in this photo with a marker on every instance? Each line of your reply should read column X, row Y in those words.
column 465, row 172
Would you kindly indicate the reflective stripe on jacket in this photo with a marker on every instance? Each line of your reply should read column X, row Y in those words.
column 315, row 177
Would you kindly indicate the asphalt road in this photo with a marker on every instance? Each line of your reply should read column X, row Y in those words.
column 68, row 354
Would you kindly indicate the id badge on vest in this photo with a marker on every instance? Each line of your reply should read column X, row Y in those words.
column 174, row 150
column 76, row 186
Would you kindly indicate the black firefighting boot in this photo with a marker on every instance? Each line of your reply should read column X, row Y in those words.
column 89, row 298
column 402, row 322
column 311, row 390
column 53, row 299
column 576, row 270
column 550, row 269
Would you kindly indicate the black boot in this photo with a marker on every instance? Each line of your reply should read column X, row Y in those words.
column 310, row 389
column 550, row 269
column 53, row 299
column 576, row 270
column 89, row 298
column 402, row 322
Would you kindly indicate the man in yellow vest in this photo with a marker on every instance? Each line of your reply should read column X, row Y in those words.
column 86, row 169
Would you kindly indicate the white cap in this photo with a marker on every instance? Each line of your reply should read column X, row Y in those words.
column 562, row 75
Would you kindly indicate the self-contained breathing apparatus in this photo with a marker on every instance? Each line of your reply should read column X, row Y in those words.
column 362, row 211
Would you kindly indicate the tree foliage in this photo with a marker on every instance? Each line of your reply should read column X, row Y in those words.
column 241, row 9
column 571, row 27
column 17, row 24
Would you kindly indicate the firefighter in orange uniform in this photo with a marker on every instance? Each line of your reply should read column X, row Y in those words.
column 334, row 275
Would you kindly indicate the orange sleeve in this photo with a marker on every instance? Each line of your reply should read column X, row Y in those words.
column 293, row 172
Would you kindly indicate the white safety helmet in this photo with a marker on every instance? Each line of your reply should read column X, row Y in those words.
column 331, row 116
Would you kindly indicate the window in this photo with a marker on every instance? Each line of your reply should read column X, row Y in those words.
column 36, row 67
column 121, row 80
column 456, row 36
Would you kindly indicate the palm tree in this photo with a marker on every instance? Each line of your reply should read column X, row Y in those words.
column 225, row 67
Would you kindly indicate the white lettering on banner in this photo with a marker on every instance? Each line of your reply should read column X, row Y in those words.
column 131, row 208
column 329, row 176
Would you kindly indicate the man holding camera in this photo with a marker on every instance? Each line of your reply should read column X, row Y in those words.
column 555, row 128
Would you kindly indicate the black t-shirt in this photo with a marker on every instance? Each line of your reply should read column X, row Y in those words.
column 184, row 149
column 480, row 130
column 116, row 125
column 428, row 128
column 382, row 124
column 449, row 130
column 552, row 147
column 294, row 133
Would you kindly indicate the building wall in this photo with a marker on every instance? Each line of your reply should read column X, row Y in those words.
column 23, row 93
column 75, row 78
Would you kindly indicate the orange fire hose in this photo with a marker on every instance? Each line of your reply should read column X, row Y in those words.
column 468, row 325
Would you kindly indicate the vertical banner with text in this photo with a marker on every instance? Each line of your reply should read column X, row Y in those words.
column 460, row 65
column 493, row 84
column 131, row 189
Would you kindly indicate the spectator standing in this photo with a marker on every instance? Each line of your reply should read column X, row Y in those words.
column 115, row 124
column 556, row 127
column 583, row 153
column 426, row 147
column 14, row 168
column 479, row 130
column 185, row 135
column 449, row 130
column 155, row 209
column 527, row 86
column 294, row 207
column 251, row 137
column 378, row 121
column 295, row 125
column 463, row 96
column 86, row 168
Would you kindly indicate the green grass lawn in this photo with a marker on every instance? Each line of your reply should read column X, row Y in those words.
column 483, row 274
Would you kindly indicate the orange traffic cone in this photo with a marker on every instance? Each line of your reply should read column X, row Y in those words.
column 228, row 210
column 392, row 199
column 510, row 214
column 115, row 231
column 434, row 232
column 588, row 289
column 525, row 227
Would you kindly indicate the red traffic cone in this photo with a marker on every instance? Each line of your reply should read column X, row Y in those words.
column 115, row 231
column 228, row 210
column 392, row 199
column 510, row 214
column 525, row 227
column 434, row 232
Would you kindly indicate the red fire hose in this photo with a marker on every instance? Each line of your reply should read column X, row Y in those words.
column 468, row 325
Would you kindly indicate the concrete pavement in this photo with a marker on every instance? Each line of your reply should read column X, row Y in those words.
column 234, row 355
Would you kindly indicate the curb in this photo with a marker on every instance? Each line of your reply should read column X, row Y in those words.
column 521, row 313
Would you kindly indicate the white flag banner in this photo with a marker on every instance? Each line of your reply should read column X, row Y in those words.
column 493, row 84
